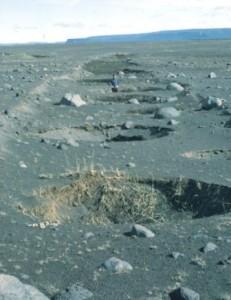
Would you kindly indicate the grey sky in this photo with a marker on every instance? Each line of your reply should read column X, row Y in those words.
column 57, row 20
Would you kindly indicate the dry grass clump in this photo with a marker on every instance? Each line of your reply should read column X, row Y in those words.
column 108, row 197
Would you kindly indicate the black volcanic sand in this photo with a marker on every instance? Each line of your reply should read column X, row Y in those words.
column 59, row 163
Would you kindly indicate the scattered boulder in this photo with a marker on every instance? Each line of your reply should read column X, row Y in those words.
column 173, row 122
column 131, row 165
column 212, row 75
column 183, row 293
column 12, row 288
column 88, row 235
column 72, row 100
column 132, row 76
column 212, row 102
column 175, row 86
column 116, row 265
column 175, row 255
column 134, row 101
column 72, row 142
column 167, row 113
column 141, row 231
column 171, row 75
column 121, row 74
column 128, row 125
column 172, row 99
column 22, row 164
column 74, row 292
column 209, row 247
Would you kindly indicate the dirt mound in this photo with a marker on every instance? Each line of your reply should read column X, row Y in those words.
column 117, row 198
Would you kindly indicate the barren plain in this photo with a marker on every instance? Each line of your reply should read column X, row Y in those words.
column 74, row 179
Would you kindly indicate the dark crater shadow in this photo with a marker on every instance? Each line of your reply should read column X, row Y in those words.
column 228, row 124
column 201, row 198
column 139, row 133
column 109, row 65
column 136, row 71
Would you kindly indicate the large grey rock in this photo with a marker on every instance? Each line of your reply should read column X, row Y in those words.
column 167, row 113
column 183, row 293
column 72, row 100
column 12, row 288
column 117, row 265
column 74, row 292
column 141, row 231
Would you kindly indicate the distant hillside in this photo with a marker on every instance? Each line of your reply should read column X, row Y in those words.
column 171, row 35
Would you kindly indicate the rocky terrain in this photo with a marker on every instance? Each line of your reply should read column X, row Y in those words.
column 115, row 195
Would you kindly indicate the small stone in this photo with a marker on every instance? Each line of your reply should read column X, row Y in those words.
column 89, row 118
column 171, row 75
column 141, row 231
column 73, row 100
column 133, row 76
column 117, row 265
column 128, row 125
column 184, row 294
column 22, row 165
column 74, row 292
column 212, row 75
column 72, row 142
column 172, row 99
column 61, row 146
column 176, row 86
column 167, row 113
column 89, row 235
column 131, row 165
column 173, row 122
column 134, row 101
column 42, row 225
column 209, row 247
column 175, row 255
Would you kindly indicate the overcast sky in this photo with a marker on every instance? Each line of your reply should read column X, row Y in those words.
column 58, row 20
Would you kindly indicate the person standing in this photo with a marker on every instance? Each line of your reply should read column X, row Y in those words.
column 114, row 83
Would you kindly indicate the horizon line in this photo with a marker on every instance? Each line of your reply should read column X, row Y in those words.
column 108, row 35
